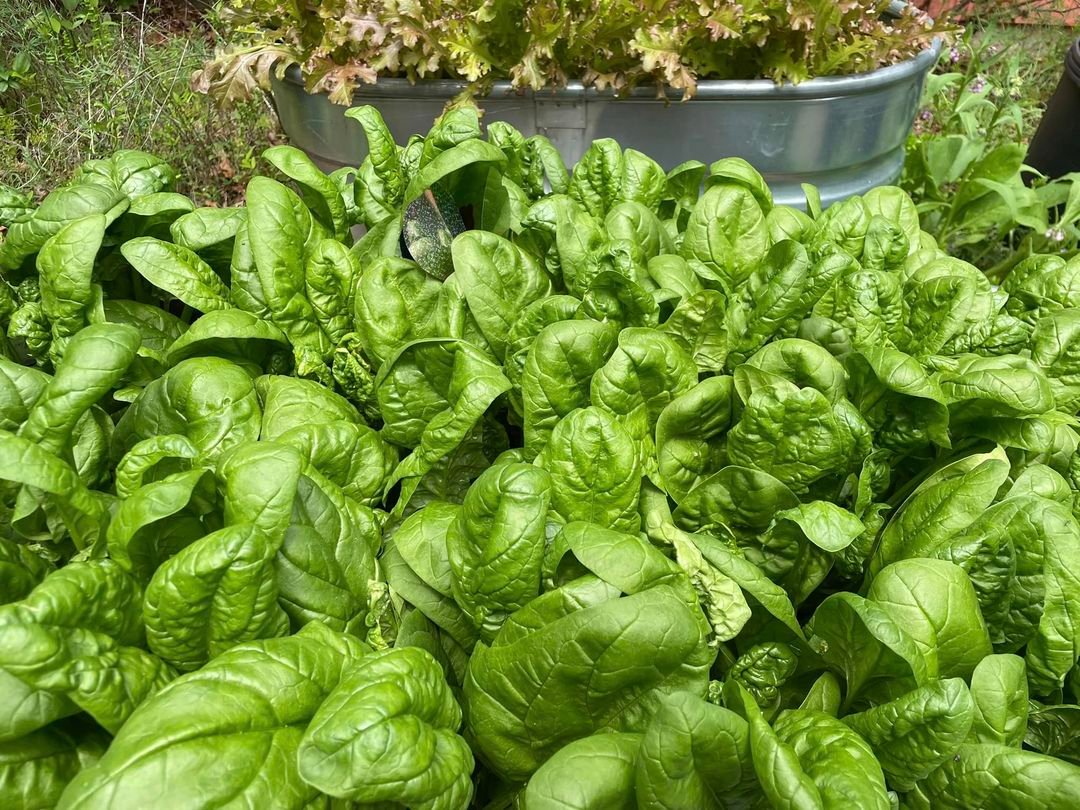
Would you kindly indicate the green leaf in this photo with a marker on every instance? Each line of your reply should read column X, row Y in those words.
column 318, row 191
column 795, row 770
column 797, row 436
column 935, row 603
column 178, row 271
column 598, row 177
column 352, row 456
column 608, row 759
column 988, row 775
column 694, row 754
column 206, row 728
column 499, row 280
column 383, row 182
column 824, row 695
column 689, row 435
column 459, row 385
column 565, row 639
column 288, row 402
column 344, row 752
column 214, row 594
column 396, row 302
column 737, row 172
column 751, row 579
column 35, row 769
column 209, row 231
column 95, row 360
column 724, row 498
column 945, row 502
column 421, row 541
column 915, row 733
column 594, row 470
column 862, row 641
column 65, row 268
column 726, row 235
column 25, row 462
column 826, row 525
column 556, row 379
column 468, row 153
column 231, row 333
column 139, row 538
column 208, row 400
column 999, row 690
column 773, row 293
column 440, row 609
column 61, row 206
column 281, row 232
column 495, row 544
column 647, row 370
column 330, row 274
column 69, row 645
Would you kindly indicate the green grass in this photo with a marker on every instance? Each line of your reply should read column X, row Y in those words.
column 118, row 77
column 1032, row 60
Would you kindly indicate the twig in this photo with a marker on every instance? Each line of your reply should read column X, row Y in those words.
column 142, row 32
column 172, row 84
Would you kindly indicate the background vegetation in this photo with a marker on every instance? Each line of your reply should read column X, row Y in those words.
column 965, row 158
column 82, row 78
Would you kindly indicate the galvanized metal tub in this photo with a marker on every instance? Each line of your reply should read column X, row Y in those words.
column 844, row 134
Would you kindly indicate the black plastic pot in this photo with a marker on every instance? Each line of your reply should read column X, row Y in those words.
column 1055, row 149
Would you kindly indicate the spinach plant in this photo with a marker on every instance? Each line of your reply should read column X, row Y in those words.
column 603, row 487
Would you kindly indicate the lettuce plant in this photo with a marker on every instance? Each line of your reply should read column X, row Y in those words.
column 611, row 487
column 539, row 43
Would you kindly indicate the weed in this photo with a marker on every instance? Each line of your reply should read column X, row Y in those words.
column 965, row 157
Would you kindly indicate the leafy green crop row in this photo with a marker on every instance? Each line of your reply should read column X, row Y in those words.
column 586, row 489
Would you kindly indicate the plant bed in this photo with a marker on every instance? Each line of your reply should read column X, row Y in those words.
column 842, row 133
column 590, row 498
